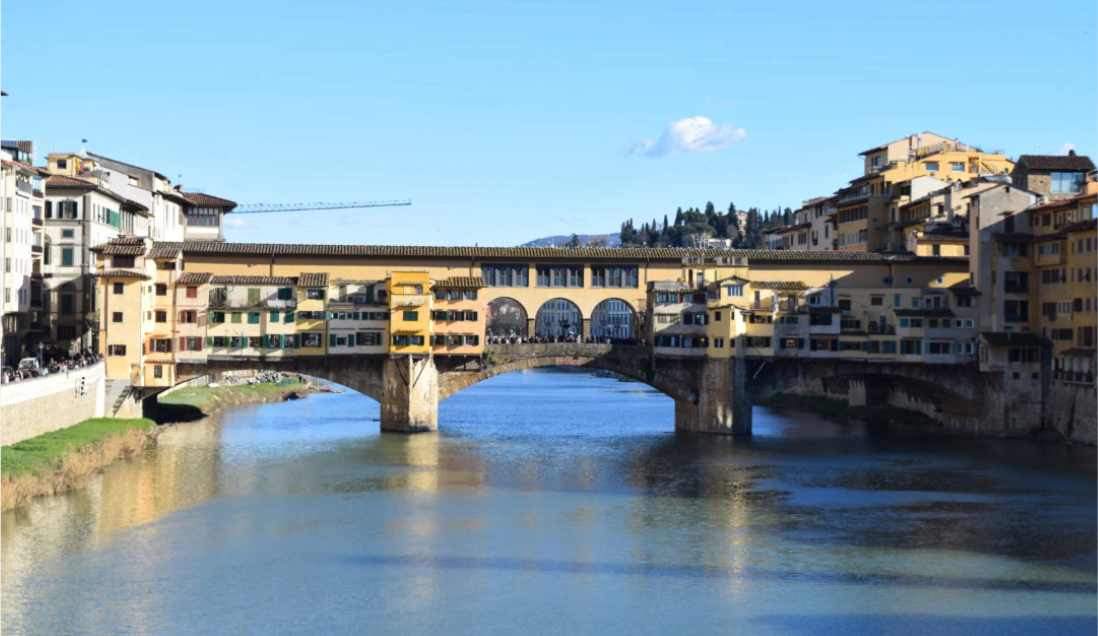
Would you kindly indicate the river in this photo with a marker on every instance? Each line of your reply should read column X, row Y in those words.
column 556, row 502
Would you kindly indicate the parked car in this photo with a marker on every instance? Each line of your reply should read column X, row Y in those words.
column 30, row 366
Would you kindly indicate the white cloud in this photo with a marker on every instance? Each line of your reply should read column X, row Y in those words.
column 693, row 134
column 1066, row 148
column 237, row 223
column 568, row 218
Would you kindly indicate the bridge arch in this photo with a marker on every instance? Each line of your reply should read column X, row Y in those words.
column 633, row 362
column 558, row 318
column 950, row 393
column 506, row 318
column 613, row 318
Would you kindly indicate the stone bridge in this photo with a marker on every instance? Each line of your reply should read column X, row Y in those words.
column 711, row 395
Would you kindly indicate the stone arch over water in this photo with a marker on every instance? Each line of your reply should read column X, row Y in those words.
column 559, row 318
column 506, row 318
column 612, row 318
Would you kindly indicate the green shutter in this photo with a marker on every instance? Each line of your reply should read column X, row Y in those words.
column 331, row 340
column 274, row 316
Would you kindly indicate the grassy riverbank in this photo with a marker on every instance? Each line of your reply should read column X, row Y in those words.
column 65, row 459
column 195, row 402
column 840, row 409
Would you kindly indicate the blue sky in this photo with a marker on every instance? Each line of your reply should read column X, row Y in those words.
column 508, row 121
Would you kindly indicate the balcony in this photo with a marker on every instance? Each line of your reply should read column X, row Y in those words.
column 25, row 187
column 1016, row 318
column 266, row 303
column 1016, row 288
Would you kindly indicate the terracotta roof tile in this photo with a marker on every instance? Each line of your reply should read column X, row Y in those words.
column 121, row 273
column 58, row 181
column 194, row 278
column 793, row 285
column 1056, row 162
column 165, row 250
column 201, row 200
column 465, row 282
column 314, row 279
column 210, row 248
column 254, row 280
column 940, row 312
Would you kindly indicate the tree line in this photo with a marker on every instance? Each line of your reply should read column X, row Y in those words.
column 693, row 227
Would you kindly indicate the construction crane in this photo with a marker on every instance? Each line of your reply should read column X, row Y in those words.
column 264, row 208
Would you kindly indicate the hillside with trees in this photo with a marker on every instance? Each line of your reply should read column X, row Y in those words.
column 694, row 227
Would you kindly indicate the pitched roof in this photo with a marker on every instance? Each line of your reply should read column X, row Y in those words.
column 546, row 253
column 1077, row 352
column 207, row 201
column 121, row 273
column 1072, row 163
column 941, row 312
column 1080, row 226
column 944, row 235
column 165, row 250
column 254, row 280
column 778, row 285
column 314, row 279
column 60, row 180
column 964, row 288
column 465, row 282
column 194, row 278
column 102, row 159
column 121, row 246
column 1015, row 338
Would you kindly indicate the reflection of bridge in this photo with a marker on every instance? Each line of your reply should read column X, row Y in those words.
column 711, row 395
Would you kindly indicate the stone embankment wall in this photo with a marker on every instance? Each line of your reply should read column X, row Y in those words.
column 37, row 406
column 1072, row 412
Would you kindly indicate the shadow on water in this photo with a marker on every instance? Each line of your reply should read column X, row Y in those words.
column 922, row 624
column 651, row 570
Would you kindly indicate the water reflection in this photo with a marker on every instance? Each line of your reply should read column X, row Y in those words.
column 546, row 496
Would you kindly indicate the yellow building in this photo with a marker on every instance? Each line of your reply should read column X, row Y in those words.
column 898, row 173
column 410, row 313
column 458, row 316
column 311, row 327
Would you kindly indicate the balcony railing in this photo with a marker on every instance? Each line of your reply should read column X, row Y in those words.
column 24, row 186
column 265, row 303
column 1016, row 288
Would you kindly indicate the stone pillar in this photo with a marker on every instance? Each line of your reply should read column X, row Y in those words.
column 409, row 402
column 585, row 331
column 720, row 404
column 531, row 327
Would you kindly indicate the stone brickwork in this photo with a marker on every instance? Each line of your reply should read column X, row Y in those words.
column 1072, row 412
column 33, row 407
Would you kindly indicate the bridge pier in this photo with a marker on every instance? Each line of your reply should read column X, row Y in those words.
column 720, row 403
column 409, row 402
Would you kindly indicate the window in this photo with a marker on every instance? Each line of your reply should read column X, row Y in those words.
column 931, row 166
column 116, row 316
column 122, row 261
column 625, row 276
column 288, row 316
column 158, row 371
column 274, row 316
column 192, row 291
column 161, row 316
column 314, row 294
column 560, row 276
column 67, row 233
column 161, row 289
column 733, row 290
column 217, row 317
column 253, row 317
column 160, row 345
column 66, row 304
column 189, row 317
column 506, row 275
column 876, row 301
column 116, row 350
column 62, row 164
column 410, row 316
column 237, row 317
column 66, row 257
column 1067, row 182
column 956, row 166
column 311, row 339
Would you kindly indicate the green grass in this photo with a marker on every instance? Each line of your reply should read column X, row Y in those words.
column 203, row 396
column 39, row 455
